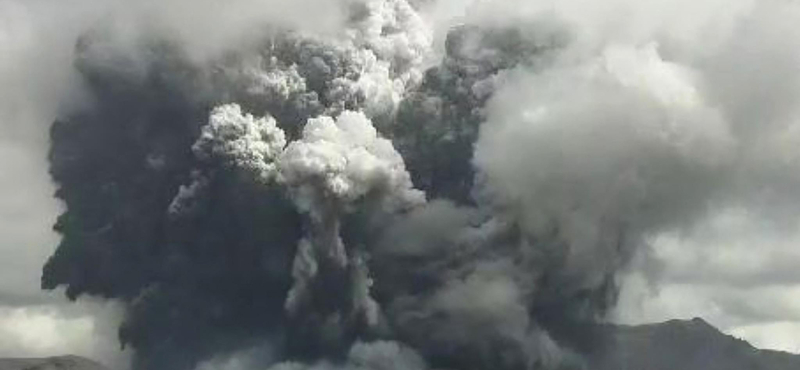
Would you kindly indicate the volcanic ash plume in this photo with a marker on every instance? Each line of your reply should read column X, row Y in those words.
column 348, row 201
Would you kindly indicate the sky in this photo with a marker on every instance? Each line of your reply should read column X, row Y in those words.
column 736, row 268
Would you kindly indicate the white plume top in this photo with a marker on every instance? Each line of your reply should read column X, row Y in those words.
column 241, row 140
column 345, row 158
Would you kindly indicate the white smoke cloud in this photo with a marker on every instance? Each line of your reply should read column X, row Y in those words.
column 601, row 152
column 333, row 165
column 344, row 159
column 625, row 134
column 245, row 142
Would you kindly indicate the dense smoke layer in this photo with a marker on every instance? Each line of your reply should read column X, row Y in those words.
column 343, row 201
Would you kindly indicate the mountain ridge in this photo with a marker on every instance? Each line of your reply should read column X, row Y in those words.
column 671, row 345
column 680, row 345
column 63, row 362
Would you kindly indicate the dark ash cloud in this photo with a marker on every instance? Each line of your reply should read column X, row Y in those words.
column 319, row 190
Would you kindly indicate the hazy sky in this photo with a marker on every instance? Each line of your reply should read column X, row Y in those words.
column 737, row 268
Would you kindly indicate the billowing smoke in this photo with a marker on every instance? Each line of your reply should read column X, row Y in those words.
column 349, row 201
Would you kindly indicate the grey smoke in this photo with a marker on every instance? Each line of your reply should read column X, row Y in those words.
column 322, row 183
